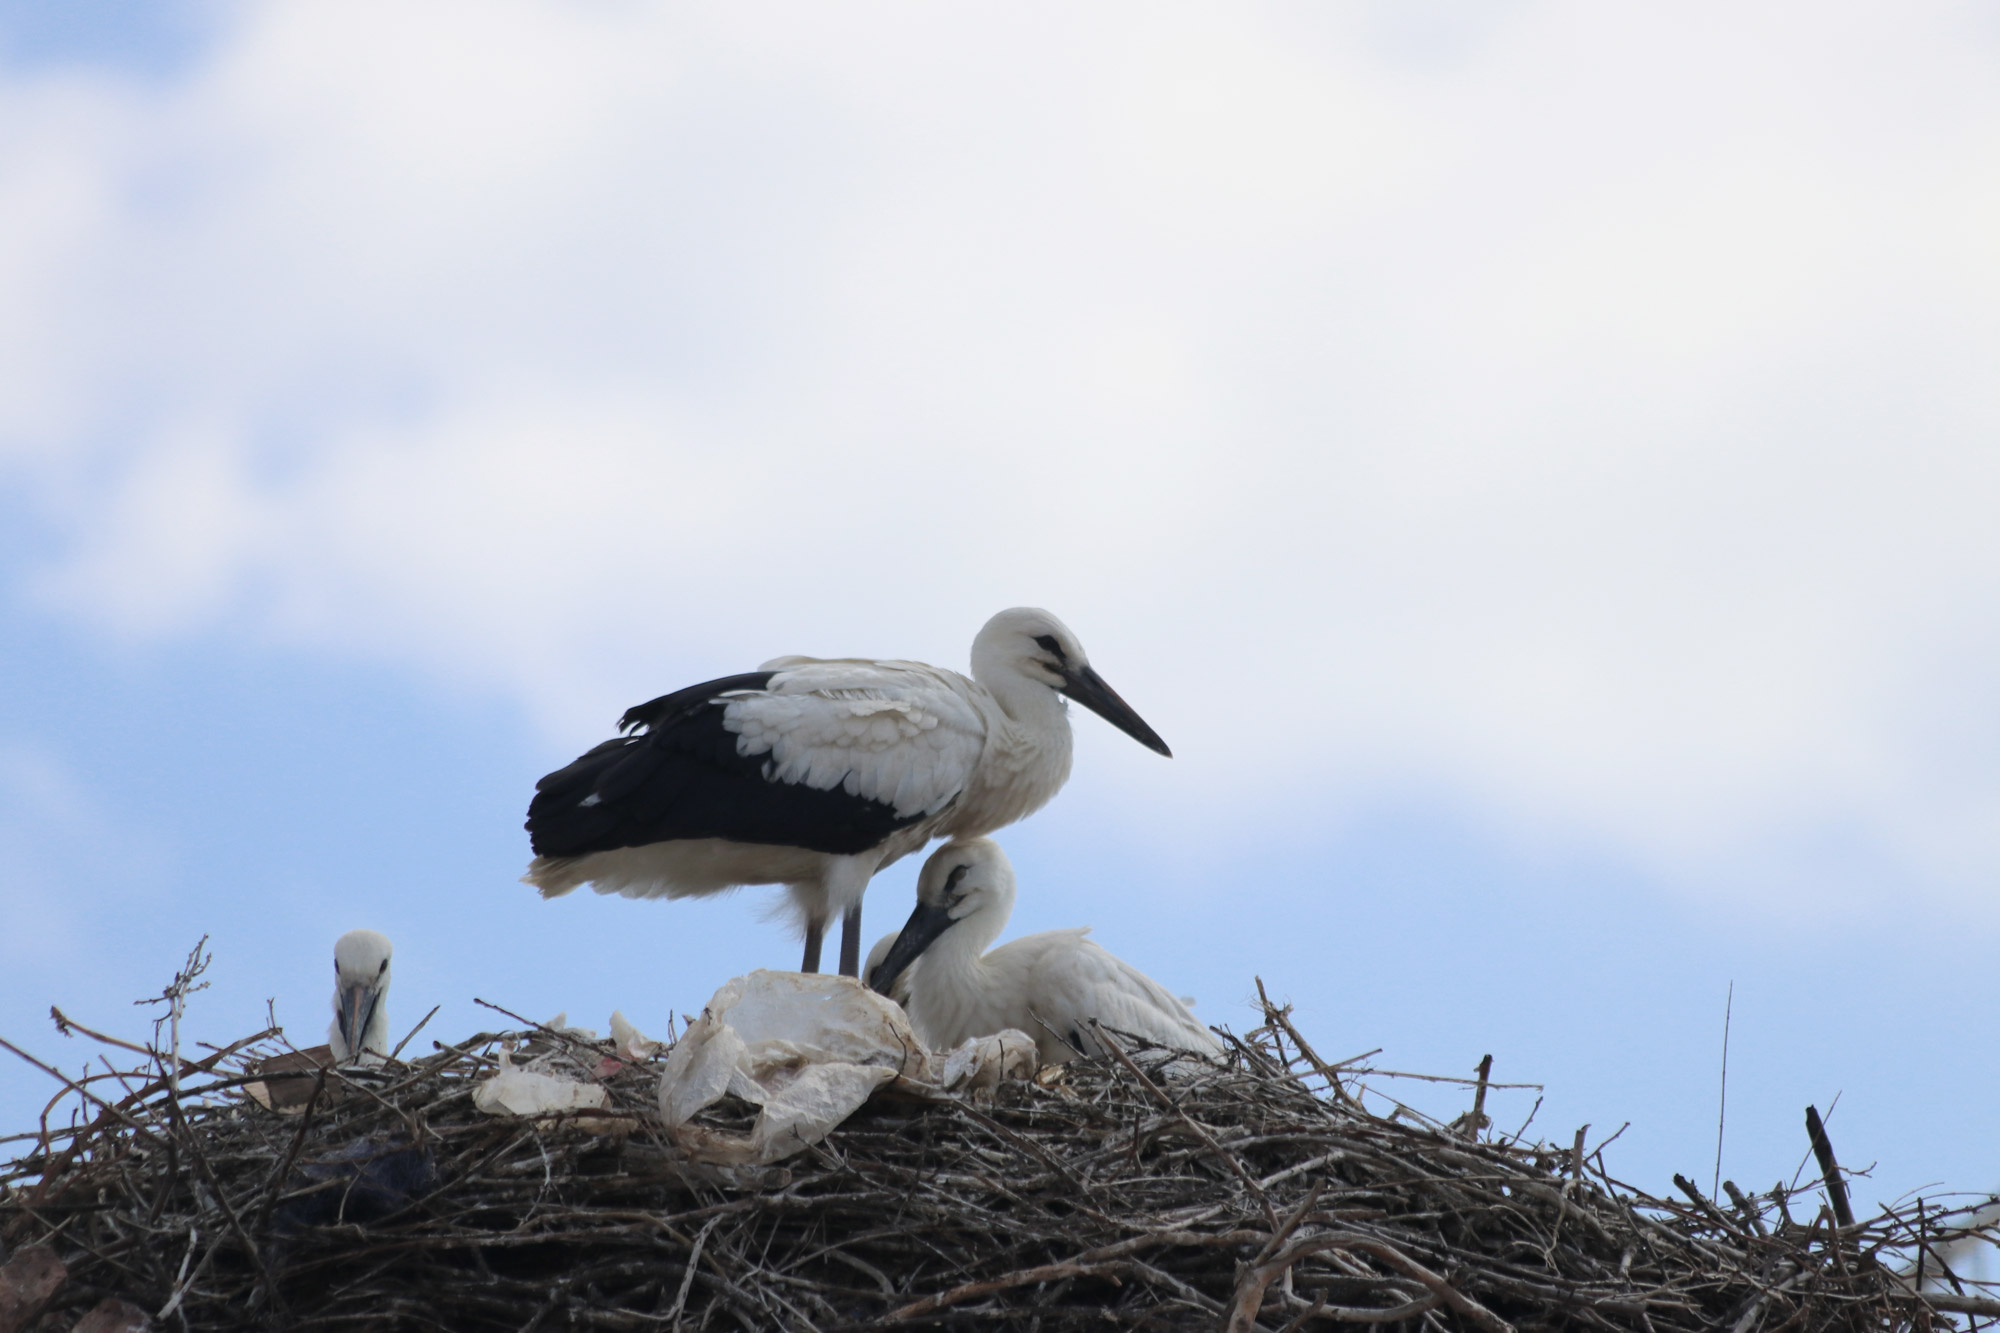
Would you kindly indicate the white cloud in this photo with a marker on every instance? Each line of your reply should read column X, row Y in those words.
column 1588, row 421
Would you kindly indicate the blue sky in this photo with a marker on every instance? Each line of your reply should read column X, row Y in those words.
column 1535, row 464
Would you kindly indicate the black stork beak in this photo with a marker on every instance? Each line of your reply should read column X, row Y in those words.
column 357, row 1007
column 926, row 923
column 1086, row 687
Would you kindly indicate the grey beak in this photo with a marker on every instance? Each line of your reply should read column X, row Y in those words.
column 923, row 927
column 357, row 1007
column 1086, row 687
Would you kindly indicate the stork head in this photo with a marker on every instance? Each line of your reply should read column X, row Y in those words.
column 1029, row 643
column 360, row 986
column 967, row 888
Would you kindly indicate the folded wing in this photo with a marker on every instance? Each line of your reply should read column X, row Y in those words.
column 1085, row 983
column 829, row 756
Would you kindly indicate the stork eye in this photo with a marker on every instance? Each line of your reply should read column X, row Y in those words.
column 384, row 968
column 1047, row 643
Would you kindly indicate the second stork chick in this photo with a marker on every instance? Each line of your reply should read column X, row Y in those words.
column 1053, row 985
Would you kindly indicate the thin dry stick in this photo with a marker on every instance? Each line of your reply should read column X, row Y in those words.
column 1722, row 1104
column 1443, row 1078
column 408, row 1037
column 1227, row 1159
column 1082, row 1263
column 673, row 1316
column 1755, row 1218
column 1479, row 1120
column 1250, row 1295
column 1330, row 1073
column 1829, row 1169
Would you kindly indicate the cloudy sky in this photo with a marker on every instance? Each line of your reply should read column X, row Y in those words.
column 1537, row 464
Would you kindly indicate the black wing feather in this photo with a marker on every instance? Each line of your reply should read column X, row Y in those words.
column 657, row 713
column 681, row 777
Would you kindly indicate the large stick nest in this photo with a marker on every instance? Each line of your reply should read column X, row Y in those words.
column 1150, row 1190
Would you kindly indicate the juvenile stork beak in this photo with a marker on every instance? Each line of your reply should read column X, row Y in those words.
column 357, row 1006
column 1086, row 687
column 924, row 926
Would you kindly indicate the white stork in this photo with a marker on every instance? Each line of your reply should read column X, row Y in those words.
column 815, row 773
column 1052, row 985
column 360, row 1027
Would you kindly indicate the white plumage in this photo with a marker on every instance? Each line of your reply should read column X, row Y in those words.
column 903, row 734
column 1053, row 986
column 816, row 773
column 360, row 1029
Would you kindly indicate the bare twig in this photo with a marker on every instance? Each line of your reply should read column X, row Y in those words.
column 1829, row 1169
column 397, row 1053
column 1722, row 1097
column 1226, row 1158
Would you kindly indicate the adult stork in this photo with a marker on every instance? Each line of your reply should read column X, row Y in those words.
column 815, row 773
column 1056, row 986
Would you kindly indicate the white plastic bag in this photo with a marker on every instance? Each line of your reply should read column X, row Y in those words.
column 807, row 1049
column 516, row 1090
column 631, row 1045
column 980, row 1064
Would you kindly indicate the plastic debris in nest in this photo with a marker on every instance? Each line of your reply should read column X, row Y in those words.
column 362, row 1181
column 981, row 1064
column 560, row 1077
column 289, row 1079
column 529, row 1090
column 808, row 1050
column 630, row 1044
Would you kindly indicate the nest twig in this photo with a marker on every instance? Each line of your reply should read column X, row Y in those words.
column 1149, row 1190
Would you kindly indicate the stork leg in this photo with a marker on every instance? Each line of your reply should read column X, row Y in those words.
column 850, row 942
column 840, row 888
column 815, row 931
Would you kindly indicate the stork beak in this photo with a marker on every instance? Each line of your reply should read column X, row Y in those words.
column 1086, row 687
column 924, row 926
column 357, row 1006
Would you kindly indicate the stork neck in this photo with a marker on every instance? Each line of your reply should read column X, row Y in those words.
column 956, row 957
column 1028, row 703
column 1026, row 758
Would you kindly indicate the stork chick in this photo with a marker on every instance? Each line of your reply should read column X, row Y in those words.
column 360, row 1029
column 1051, row 986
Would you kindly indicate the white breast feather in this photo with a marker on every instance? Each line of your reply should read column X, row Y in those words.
column 893, row 732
